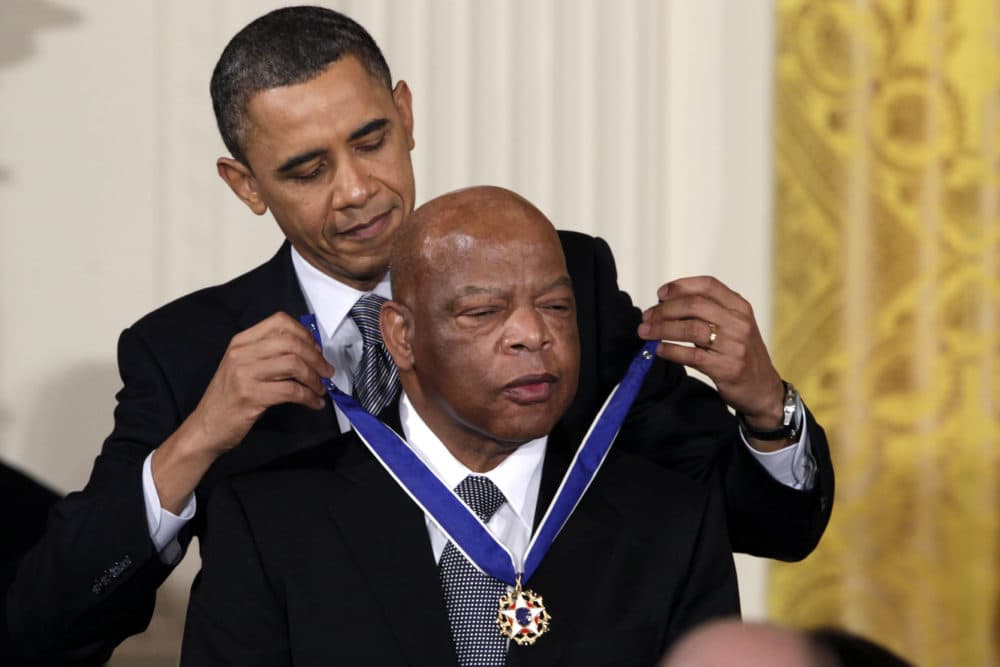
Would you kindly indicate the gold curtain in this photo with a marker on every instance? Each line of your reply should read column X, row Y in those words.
column 887, row 274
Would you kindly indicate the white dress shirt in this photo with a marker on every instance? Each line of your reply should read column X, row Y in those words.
column 518, row 477
column 331, row 301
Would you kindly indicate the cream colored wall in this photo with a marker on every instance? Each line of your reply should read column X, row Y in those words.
column 646, row 122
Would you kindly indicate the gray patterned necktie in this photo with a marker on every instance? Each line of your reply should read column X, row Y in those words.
column 377, row 380
column 471, row 597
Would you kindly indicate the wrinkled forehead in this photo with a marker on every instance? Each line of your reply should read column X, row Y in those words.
column 464, row 259
column 480, row 235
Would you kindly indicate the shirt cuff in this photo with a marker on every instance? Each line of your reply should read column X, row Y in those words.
column 793, row 465
column 163, row 524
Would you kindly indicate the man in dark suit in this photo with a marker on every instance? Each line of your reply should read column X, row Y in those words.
column 225, row 380
column 483, row 330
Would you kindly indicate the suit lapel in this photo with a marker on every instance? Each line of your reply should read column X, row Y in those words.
column 593, row 528
column 273, row 288
column 387, row 534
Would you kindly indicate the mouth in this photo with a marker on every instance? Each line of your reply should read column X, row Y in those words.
column 530, row 389
column 368, row 230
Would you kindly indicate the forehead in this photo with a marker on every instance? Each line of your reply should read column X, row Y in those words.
column 502, row 258
column 328, row 107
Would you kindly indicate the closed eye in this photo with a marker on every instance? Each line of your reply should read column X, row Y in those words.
column 310, row 176
column 479, row 312
column 560, row 306
column 372, row 146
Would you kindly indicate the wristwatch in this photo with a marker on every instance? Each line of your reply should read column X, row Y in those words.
column 791, row 420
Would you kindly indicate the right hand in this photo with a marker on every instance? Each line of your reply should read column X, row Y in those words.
column 275, row 361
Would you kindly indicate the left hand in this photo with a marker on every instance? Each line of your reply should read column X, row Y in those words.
column 728, row 347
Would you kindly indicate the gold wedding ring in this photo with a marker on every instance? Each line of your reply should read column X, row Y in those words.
column 713, row 333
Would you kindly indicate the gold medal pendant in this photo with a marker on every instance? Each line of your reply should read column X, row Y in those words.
column 522, row 615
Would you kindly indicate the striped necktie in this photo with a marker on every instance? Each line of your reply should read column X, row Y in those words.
column 376, row 380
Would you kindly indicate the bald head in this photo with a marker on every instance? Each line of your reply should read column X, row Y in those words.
column 482, row 325
column 732, row 642
column 447, row 226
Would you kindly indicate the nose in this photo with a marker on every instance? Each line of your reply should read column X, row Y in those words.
column 525, row 331
column 353, row 185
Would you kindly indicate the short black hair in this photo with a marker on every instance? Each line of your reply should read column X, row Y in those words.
column 282, row 48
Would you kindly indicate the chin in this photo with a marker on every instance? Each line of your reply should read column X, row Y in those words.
column 518, row 434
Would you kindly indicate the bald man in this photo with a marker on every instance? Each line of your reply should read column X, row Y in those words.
column 483, row 331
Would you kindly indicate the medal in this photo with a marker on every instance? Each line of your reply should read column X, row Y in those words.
column 522, row 616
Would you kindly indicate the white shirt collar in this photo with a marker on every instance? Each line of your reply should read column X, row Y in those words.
column 518, row 476
column 329, row 299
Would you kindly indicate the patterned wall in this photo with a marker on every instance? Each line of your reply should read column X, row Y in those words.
column 887, row 308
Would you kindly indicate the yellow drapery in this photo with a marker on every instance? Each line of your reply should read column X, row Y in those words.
column 887, row 274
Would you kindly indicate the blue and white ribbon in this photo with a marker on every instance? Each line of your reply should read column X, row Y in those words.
column 454, row 517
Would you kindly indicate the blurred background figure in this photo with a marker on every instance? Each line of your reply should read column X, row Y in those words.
column 26, row 504
column 731, row 642
column 850, row 650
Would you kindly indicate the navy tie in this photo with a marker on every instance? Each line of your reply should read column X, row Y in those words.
column 471, row 597
column 377, row 380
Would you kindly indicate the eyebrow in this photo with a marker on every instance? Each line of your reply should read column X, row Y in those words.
column 561, row 281
column 473, row 289
column 368, row 128
column 302, row 158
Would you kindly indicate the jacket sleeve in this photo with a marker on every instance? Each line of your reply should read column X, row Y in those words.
column 682, row 424
column 91, row 580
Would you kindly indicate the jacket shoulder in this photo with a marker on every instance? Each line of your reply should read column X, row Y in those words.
column 225, row 302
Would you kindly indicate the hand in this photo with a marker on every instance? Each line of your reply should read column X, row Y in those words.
column 728, row 347
column 275, row 361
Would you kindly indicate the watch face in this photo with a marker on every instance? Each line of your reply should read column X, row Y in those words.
column 791, row 403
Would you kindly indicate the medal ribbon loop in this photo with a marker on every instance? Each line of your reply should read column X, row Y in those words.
column 454, row 517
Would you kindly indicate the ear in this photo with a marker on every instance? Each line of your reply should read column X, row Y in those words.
column 404, row 105
column 396, row 323
column 242, row 182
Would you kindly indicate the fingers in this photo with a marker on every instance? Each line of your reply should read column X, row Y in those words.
column 703, row 324
column 249, row 371
column 275, row 361
column 279, row 324
column 701, row 311
column 706, row 286
column 280, row 335
column 717, row 365
column 278, row 347
column 700, row 332
column 262, row 365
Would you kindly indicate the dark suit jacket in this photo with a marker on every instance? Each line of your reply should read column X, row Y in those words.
column 328, row 562
column 91, row 581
